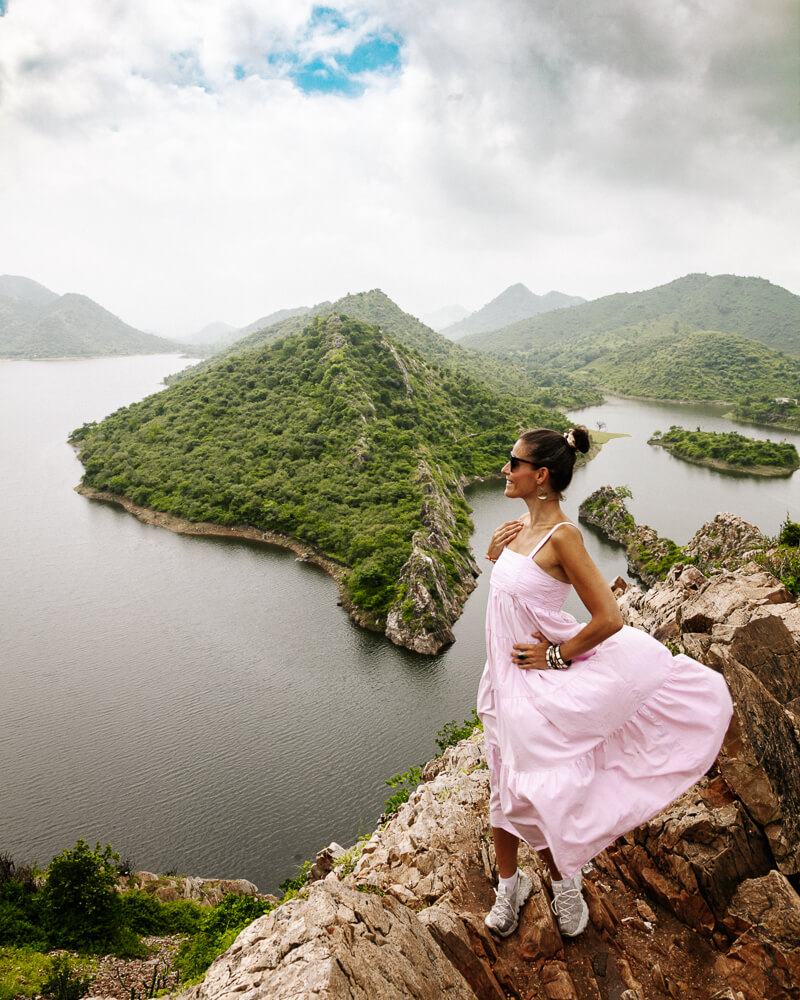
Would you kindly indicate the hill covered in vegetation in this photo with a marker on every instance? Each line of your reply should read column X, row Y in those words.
column 770, row 412
column 648, row 343
column 529, row 384
column 37, row 323
column 340, row 437
column 701, row 365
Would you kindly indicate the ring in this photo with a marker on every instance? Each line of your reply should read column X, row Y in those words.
column 522, row 655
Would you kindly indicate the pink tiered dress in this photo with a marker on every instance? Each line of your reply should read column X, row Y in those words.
column 578, row 757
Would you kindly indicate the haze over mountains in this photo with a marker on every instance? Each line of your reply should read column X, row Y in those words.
column 37, row 323
column 719, row 337
column 516, row 303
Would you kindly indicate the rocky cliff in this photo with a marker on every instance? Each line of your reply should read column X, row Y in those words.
column 699, row 903
column 437, row 578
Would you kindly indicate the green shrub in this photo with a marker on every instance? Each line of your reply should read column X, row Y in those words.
column 451, row 733
column 790, row 532
column 218, row 930
column 19, row 906
column 65, row 982
column 405, row 783
column 145, row 914
column 80, row 904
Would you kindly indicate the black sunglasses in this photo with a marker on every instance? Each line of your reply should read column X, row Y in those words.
column 513, row 461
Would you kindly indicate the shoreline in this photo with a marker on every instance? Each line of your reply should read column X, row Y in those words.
column 765, row 471
column 758, row 423
column 207, row 529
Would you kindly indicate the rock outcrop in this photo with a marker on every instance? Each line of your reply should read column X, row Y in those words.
column 437, row 578
column 725, row 542
column 746, row 625
column 205, row 891
column 649, row 556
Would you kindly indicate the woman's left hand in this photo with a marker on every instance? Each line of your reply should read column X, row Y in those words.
column 531, row 656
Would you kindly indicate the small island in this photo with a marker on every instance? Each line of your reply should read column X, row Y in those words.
column 730, row 452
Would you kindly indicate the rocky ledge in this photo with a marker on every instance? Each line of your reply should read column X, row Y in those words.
column 723, row 542
column 698, row 903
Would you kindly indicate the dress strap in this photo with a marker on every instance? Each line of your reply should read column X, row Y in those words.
column 546, row 538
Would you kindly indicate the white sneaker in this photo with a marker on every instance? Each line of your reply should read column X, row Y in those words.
column 503, row 917
column 569, row 906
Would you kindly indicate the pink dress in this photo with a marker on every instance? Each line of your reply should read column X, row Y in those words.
column 578, row 757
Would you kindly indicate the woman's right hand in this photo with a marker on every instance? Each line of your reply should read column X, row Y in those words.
column 502, row 536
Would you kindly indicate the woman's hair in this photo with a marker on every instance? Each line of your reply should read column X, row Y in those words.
column 556, row 451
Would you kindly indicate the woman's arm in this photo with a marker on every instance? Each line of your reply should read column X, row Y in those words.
column 586, row 578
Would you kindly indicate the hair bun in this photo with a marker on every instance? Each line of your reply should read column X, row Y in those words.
column 578, row 438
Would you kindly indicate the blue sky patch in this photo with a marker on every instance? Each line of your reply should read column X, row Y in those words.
column 334, row 55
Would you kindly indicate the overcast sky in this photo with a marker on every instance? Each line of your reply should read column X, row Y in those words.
column 187, row 161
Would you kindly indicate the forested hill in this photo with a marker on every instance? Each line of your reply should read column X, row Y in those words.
column 697, row 338
column 37, row 323
column 751, row 307
column 530, row 384
column 340, row 437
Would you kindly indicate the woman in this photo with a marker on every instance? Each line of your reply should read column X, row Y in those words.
column 590, row 729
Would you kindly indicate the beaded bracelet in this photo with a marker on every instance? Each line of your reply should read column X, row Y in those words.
column 554, row 658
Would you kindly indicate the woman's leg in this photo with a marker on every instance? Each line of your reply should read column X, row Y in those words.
column 551, row 865
column 506, row 846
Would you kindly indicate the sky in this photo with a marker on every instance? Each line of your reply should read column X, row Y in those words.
column 187, row 162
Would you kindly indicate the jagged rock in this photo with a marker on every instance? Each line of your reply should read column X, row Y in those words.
column 715, row 603
column 435, row 838
column 723, row 542
column 324, row 861
column 168, row 888
column 744, row 624
column 338, row 943
column 430, row 602
column 760, row 759
column 656, row 611
column 453, row 938
column 694, row 854
column 764, row 960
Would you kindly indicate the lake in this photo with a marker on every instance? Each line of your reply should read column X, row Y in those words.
column 204, row 705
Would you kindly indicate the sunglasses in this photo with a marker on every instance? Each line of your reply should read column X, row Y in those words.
column 513, row 461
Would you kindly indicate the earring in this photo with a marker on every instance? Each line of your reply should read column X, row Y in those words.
column 541, row 496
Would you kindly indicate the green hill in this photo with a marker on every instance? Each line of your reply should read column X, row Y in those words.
column 37, row 323
column 652, row 343
column 529, row 384
column 340, row 437
column 702, row 365
column 751, row 307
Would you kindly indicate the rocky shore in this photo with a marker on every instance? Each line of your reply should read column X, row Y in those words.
column 700, row 902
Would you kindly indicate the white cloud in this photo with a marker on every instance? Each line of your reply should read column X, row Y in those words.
column 156, row 158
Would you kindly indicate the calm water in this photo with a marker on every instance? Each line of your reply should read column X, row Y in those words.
column 205, row 705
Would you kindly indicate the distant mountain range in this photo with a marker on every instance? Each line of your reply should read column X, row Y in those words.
column 516, row 303
column 698, row 337
column 37, row 323
column 219, row 335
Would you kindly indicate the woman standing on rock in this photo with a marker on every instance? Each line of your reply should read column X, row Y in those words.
column 590, row 729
